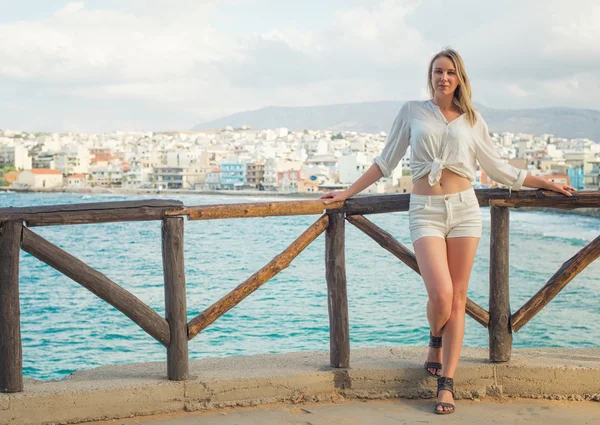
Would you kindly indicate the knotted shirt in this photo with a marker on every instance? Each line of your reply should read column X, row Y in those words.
column 437, row 144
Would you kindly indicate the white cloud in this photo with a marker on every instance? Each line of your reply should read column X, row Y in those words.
column 71, row 7
column 516, row 90
column 169, row 58
column 76, row 44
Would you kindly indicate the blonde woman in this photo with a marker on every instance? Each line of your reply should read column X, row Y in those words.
column 447, row 136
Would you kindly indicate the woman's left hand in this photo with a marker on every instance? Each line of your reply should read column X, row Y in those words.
column 565, row 189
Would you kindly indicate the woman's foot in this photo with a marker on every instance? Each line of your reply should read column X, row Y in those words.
column 433, row 364
column 445, row 396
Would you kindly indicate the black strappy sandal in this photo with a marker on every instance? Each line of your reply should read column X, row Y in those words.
column 444, row 383
column 434, row 342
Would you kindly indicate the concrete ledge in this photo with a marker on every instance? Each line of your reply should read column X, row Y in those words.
column 141, row 389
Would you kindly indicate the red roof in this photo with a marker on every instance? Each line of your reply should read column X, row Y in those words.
column 44, row 171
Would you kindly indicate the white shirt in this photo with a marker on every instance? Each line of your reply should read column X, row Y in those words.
column 437, row 144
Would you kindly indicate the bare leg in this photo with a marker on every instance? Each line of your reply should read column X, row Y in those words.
column 431, row 256
column 461, row 255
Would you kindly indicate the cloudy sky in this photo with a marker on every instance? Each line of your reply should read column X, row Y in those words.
column 103, row 65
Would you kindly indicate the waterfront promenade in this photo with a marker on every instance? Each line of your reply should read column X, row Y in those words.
column 306, row 380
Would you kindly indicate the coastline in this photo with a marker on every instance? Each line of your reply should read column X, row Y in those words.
column 121, row 191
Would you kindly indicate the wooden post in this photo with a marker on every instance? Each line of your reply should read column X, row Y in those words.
column 175, row 300
column 500, row 331
column 337, row 299
column 11, row 356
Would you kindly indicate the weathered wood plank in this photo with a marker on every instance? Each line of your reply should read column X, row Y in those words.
column 97, row 212
column 254, row 282
column 377, row 204
column 256, row 209
column 477, row 313
column 556, row 283
column 92, row 217
column 390, row 244
column 98, row 284
column 175, row 300
column 103, row 212
column 11, row 358
column 12, row 212
column 501, row 197
column 547, row 199
column 500, row 333
column 337, row 300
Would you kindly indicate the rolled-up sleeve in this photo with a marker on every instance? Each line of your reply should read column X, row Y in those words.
column 397, row 142
column 492, row 164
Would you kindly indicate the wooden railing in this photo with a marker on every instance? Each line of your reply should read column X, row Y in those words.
column 174, row 331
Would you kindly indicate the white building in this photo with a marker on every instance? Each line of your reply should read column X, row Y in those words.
column 39, row 178
column 132, row 179
column 352, row 166
column 274, row 166
column 184, row 159
column 17, row 156
column 44, row 160
column 213, row 180
column 318, row 147
column 106, row 176
column 524, row 149
column 73, row 159
column 507, row 139
column 76, row 181
column 270, row 173
column 329, row 162
column 142, row 159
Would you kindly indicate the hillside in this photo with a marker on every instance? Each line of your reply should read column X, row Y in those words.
column 378, row 116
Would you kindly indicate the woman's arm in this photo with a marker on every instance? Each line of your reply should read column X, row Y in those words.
column 505, row 173
column 367, row 179
column 538, row 182
column 490, row 161
column 395, row 147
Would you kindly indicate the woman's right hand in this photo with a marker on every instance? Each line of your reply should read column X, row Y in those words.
column 331, row 197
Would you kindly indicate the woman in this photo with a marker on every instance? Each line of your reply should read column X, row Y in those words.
column 446, row 136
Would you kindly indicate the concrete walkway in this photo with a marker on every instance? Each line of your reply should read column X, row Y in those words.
column 395, row 412
column 125, row 391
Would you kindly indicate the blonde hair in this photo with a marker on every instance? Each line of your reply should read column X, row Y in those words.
column 462, row 94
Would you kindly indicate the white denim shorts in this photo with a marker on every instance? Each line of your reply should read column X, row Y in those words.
column 446, row 216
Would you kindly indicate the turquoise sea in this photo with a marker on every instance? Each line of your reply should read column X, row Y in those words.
column 66, row 328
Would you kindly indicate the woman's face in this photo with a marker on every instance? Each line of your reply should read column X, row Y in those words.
column 444, row 77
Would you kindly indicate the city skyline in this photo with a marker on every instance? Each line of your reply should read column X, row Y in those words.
column 92, row 66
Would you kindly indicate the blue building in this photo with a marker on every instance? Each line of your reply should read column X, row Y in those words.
column 576, row 177
column 233, row 175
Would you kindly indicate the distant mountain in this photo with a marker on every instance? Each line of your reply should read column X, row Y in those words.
column 378, row 116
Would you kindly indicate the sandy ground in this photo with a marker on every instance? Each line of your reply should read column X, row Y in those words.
column 397, row 412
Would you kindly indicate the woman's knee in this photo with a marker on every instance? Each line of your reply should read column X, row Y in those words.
column 441, row 302
column 459, row 300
